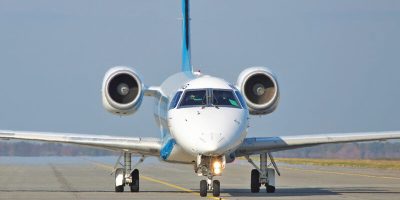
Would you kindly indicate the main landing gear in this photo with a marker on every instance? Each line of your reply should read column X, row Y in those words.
column 209, row 167
column 263, row 175
column 127, row 176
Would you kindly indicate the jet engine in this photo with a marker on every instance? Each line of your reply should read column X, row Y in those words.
column 122, row 91
column 260, row 89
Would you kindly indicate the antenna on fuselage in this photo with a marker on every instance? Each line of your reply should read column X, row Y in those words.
column 186, row 60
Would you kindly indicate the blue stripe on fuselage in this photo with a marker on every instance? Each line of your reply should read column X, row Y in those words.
column 167, row 149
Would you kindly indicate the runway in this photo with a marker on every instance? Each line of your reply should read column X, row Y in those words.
column 89, row 178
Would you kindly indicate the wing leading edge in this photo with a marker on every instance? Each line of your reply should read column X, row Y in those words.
column 143, row 146
column 270, row 144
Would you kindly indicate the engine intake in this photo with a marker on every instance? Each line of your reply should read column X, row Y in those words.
column 260, row 89
column 122, row 91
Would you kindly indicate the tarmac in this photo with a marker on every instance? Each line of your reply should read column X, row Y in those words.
column 89, row 178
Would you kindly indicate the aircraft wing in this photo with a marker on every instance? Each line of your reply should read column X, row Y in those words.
column 271, row 144
column 143, row 146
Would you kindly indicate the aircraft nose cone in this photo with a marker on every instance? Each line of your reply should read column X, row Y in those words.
column 208, row 131
column 207, row 149
column 211, row 143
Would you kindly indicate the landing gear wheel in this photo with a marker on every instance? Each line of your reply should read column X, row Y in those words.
column 216, row 188
column 119, row 188
column 119, row 180
column 255, row 181
column 135, row 181
column 270, row 188
column 203, row 188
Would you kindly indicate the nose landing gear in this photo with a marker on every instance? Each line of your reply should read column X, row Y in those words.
column 209, row 167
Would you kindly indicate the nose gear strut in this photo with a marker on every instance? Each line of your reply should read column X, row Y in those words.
column 209, row 167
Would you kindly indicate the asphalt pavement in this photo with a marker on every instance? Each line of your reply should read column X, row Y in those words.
column 89, row 178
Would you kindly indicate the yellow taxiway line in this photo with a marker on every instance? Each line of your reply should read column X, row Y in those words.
column 341, row 173
column 109, row 167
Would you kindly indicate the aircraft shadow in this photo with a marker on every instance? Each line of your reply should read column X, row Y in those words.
column 87, row 191
column 364, row 190
column 281, row 192
column 288, row 192
column 55, row 191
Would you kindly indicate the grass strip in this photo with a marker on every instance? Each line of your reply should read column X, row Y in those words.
column 379, row 164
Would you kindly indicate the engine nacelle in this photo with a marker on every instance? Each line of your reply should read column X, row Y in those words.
column 260, row 90
column 122, row 91
column 229, row 158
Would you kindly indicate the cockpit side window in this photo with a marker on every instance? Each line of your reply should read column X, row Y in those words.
column 175, row 100
column 224, row 98
column 194, row 98
column 240, row 97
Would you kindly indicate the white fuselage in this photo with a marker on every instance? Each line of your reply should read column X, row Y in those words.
column 215, row 126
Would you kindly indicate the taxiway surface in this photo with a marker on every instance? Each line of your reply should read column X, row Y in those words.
column 89, row 178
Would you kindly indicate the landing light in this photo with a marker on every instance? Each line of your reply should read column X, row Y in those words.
column 217, row 167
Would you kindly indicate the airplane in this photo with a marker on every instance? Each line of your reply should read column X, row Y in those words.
column 203, row 122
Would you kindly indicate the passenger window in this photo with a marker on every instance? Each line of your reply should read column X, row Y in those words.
column 194, row 98
column 175, row 100
column 225, row 98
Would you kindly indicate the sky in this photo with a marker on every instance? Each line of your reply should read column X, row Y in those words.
column 337, row 62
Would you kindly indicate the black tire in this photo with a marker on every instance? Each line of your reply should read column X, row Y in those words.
column 119, row 188
column 270, row 189
column 216, row 188
column 135, row 181
column 203, row 188
column 255, row 181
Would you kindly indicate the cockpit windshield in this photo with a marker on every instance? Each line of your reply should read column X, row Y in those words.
column 194, row 98
column 224, row 98
column 209, row 97
column 175, row 100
